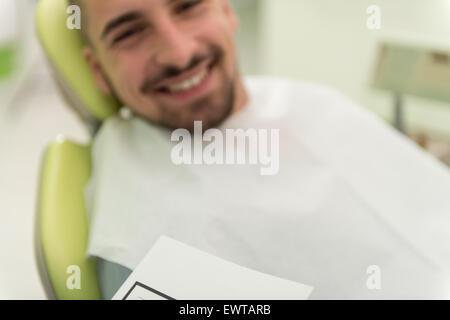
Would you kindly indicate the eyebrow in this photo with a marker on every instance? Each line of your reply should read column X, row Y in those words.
column 120, row 20
column 125, row 18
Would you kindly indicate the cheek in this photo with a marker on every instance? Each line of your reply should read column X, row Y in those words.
column 218, row 32
column 213, row 25
column 129, row 75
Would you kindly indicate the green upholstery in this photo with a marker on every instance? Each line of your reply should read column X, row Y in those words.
column 64, row 49
column 8, row 62
column 62, row 222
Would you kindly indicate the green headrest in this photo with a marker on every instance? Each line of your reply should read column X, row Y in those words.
column 62, row 229
column 63, row 47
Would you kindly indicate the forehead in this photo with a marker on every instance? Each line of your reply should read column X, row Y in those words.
column 106, row 8
column 96, row 9
column 100, row 12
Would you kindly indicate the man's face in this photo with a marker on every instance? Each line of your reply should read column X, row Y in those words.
column 171, row 61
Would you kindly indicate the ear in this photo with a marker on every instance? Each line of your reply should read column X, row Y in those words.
column 231, row 14
column 97, row 70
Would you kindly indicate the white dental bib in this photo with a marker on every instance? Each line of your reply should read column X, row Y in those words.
column 350, row 193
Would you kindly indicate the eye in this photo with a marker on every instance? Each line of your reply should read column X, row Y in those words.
column 128, row 33
column 187, row 5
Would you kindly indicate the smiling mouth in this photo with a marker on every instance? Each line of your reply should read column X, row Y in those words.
column 186, row 85
column 189, row 83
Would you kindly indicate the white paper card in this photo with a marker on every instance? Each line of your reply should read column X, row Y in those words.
column 173, row 270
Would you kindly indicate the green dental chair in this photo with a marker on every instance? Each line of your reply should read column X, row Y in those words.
column 61, row 224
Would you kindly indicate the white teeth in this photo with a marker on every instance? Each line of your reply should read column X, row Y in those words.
column 189, row 83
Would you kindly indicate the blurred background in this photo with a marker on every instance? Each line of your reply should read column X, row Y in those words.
column 404, row 63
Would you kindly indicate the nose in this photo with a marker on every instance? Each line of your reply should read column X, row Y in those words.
column 175, row 48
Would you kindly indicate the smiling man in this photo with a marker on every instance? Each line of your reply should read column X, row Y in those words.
column 350, row 192
column 171, row 61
